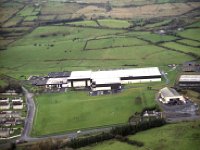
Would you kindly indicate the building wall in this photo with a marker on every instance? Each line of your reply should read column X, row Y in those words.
column 167, row 99
column 79, row 83
column 140, row 81
column 101, row 88
column 5, row 107
column 18, row 106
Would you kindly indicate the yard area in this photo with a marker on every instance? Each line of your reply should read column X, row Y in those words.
column 73, row 111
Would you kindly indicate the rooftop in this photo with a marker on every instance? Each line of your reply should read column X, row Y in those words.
column 52, row 81
column 134, row 72
column 169, row 92
column 189, row 78
column 58, row 74
column 80, row 74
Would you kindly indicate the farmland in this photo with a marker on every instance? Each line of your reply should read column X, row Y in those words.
column 94, row 48
column 42, row 37
column 183, row 135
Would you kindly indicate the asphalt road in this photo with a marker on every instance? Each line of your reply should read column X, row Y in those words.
column 30, row 115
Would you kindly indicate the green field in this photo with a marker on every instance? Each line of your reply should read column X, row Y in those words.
column 189, row 42
column 191, row 34
column 183, row 48
column 158, row 24
column 85, row 23
column 114, row 23
column 114, row 42
column 180, row 136
column 83, row 111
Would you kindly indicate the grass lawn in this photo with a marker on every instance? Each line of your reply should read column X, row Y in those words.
column 114, row 23
column 77, row 110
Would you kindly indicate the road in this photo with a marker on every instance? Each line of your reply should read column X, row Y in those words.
column 30, row 115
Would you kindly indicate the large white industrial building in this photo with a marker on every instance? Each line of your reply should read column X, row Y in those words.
column 100, row 80
column 104, row 80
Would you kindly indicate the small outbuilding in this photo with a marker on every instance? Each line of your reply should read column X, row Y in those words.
column 170, row 96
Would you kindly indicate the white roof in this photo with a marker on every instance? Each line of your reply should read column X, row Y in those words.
column 152, row 71
column 189, row 78
column 80, row 74
column 107, row 80
column 56, row 81
column 169, row 92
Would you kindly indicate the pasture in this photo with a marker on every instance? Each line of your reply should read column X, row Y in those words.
column 59, row 48
column 180, row 136
column 80, row 111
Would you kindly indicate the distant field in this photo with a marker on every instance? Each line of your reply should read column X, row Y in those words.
column 180, row 136
column 158, row 24
column 189, row 42
column 191, row 34
column 114, row 23
column 83, row 111
column 85, row 23
column 58, row 48
column 183, row 48
column 114, row 42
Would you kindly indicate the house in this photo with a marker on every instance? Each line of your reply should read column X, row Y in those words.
column 19, row 99
column 4, row 100
column 171, row 96
column 80, row 79
column 4, row 132
column 189, row 81
column 17, row 105
column 4, row 105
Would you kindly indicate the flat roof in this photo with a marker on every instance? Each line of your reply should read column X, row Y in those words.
column 189, row 78
column 107, row 81
column 80, row 74
column 51, row 81
column 169, row 92
column 133, row 72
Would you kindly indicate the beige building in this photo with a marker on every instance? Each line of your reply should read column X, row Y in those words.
column 168, row 95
